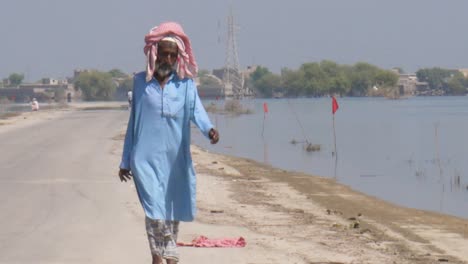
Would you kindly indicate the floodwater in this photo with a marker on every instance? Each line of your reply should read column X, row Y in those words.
column 412, row 152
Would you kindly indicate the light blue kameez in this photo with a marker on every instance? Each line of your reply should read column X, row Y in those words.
column 157, row 146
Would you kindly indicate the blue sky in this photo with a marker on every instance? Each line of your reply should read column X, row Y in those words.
column 53, row 37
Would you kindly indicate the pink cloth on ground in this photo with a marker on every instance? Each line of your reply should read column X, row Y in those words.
column 203, row 241
column 186, row 64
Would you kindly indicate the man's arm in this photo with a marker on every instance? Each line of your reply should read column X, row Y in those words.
column 124, row 168
column 202, row 121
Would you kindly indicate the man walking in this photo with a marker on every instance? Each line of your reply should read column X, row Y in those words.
column 157, row 143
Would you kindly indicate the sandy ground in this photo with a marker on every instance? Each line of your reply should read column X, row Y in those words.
column 289, row 217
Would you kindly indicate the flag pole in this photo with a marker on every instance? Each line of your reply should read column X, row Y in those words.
column 263, row 125
column 334, row 135
column 265, row 111
column 335, row 107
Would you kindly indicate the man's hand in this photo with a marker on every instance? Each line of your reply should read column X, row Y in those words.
column 213, row 135
column 125, row 175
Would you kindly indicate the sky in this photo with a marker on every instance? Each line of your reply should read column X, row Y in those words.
column 51, row 38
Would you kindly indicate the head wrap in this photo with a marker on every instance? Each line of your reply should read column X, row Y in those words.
column 186, row 64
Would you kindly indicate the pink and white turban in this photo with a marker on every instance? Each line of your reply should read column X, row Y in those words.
column 186, row 64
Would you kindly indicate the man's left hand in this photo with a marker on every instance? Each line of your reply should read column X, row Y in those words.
column 214, row 136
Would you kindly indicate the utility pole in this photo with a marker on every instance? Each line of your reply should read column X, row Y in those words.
column 233, row 79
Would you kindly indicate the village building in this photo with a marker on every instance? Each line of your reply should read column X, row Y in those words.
column 409, row 85
column 48, row 89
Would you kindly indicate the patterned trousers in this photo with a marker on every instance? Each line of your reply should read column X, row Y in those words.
column 162, row 237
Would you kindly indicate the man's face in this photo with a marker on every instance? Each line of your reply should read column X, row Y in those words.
column 167, row 58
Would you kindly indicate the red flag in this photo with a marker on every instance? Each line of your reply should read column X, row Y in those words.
column 265, row 108
column 335, row 105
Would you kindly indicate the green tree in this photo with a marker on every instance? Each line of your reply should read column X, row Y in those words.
column 95, row 86
column 386, row 78
column 268, row 84
column 15, row 79
column 339, row 85
column 361, row 80
column 259, row 73
column 325, row 77
column 259, row 80
column 331, row 68
column 293, row 81
column 315, row 79
column 117, row 73
column 435, row 77
column 456, row 85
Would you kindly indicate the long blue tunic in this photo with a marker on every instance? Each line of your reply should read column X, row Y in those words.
column 157, row 146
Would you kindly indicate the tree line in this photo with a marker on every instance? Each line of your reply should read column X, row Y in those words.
column 103, row 86
column 449, row 82
column 361, row 79
column 310, row 79
column 322, row 78
column 94, row 85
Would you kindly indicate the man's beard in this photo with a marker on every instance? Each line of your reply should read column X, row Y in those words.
column 164, row 70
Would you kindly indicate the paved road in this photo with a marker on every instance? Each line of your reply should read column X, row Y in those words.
column 60, row 200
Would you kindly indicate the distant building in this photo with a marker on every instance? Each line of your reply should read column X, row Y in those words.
column 77, row 72
column 47, row 90
column 49, row 81
column 464, row 72
column 50, row 91
column 245, row 74
column 211, row 87
column 6, row 82
column 408, row 84
column 17, row 95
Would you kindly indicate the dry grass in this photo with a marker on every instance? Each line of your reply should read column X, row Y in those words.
column 309, row 147
column 9, row 115
column 235, row 107
column 231, row 107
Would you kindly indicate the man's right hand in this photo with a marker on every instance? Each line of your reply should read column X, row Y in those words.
column 213, row 135
column 125, row 175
